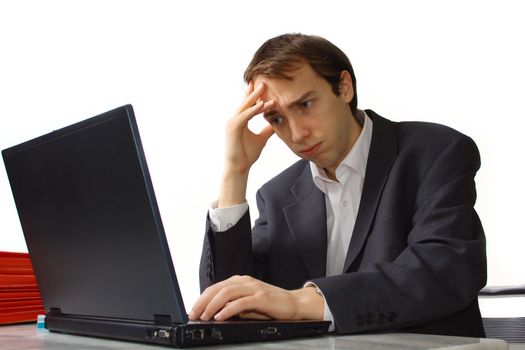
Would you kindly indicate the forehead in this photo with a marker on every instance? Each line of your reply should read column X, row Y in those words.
column 302, row 79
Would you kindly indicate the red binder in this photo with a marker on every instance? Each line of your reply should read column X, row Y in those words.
column 20, row 299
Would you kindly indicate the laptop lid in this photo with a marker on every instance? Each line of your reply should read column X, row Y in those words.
column 86, row 204
column 93, row 230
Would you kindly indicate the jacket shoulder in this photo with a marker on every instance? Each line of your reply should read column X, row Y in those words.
column 286, row 179
column 422, row 137
column 431, row 140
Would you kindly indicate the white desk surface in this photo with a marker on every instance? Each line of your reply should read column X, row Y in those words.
column 27, row 337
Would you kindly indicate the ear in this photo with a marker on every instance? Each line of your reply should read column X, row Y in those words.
column 346, row 89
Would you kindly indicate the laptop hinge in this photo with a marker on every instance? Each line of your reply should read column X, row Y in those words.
column 162, row 320
column 54, row 311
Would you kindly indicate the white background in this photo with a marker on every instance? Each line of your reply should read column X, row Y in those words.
column 180, row 64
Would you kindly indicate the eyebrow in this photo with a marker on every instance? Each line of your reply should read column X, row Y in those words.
column 294, row 103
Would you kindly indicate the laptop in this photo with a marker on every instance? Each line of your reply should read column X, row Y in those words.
column 94, row 233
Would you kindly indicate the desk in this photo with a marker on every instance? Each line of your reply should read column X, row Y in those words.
column 27, row 337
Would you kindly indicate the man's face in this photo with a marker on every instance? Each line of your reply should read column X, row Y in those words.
column 314, row 123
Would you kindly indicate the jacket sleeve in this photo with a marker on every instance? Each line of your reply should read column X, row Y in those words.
column 226, row 253
column 442, row 267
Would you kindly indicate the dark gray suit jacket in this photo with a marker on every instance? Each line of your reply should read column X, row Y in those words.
column 416, row 260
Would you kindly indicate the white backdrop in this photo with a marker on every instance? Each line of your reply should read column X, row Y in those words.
column 180, row 64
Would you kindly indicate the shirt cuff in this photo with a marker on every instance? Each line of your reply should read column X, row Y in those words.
column 222, row 219
column 327, row 314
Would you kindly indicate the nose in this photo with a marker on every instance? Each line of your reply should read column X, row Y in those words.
column 299, row 131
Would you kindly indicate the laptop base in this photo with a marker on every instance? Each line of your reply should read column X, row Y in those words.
column 185, row 335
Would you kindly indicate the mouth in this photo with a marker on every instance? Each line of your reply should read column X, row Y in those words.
column 308, row 152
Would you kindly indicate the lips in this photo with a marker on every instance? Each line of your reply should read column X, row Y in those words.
column 308, row 152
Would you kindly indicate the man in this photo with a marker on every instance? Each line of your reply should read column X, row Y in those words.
column 374, row 228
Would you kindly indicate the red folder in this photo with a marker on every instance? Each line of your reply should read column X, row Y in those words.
column 18, row 294
column 18, row 281
column 12, row 259
column 35, row 302
column 20, row 299
column 20, row 317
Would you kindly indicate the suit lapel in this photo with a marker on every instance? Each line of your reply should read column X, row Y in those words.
column 306, row 219
column 383, row 150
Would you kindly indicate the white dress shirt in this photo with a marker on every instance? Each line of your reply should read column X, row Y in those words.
column 342, row 202
column 343, row 196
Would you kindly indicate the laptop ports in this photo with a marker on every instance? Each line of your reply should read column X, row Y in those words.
column 269, row 331
column 197, row 334
column 161, row 334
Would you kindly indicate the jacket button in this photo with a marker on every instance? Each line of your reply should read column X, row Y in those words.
column 392, row 316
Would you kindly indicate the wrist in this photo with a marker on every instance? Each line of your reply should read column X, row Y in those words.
column 235, row 170
column 310, row 303
column 233, row 190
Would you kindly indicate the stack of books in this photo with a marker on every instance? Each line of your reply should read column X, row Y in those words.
column 20, row 299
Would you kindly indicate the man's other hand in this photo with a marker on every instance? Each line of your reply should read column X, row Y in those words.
column 247, row 297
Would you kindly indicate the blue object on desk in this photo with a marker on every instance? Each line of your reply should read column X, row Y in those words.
column 41, row 322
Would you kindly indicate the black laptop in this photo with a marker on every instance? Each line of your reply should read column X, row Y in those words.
column 94, row 233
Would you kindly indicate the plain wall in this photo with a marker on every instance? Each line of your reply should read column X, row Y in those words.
column 180, row 64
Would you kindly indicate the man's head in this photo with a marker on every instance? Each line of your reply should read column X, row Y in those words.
column 307, row 82
column 279, row 57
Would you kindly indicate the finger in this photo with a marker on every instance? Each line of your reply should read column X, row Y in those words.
column 260, row 107
column 252, row 97
column 249, row 89
column 267, row 300
column 245, row 116
column 241, row 120
column 248, row 303
column 211, row 292
column 268, row 105
column 201, row 303
column 266, row 133
column 228, row 296
column 204, row 299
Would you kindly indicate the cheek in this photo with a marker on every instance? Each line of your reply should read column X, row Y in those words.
column 340, row 120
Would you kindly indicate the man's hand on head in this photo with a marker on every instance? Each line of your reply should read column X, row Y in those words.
column 243, row 147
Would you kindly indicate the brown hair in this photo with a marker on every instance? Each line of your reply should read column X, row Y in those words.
column 280, row 56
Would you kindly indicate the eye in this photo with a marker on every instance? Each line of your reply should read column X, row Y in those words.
column 275, row 120
column 306, row 104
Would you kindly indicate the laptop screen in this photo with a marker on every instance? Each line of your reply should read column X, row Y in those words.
column 91, row 221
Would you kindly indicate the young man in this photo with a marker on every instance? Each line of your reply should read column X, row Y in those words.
column 374, row 228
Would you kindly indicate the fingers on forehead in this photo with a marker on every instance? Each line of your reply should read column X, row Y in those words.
column 251, row 97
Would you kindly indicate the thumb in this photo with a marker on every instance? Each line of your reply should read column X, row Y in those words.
column 266, row 133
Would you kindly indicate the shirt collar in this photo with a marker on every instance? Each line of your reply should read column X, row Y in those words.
column 354, row 161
